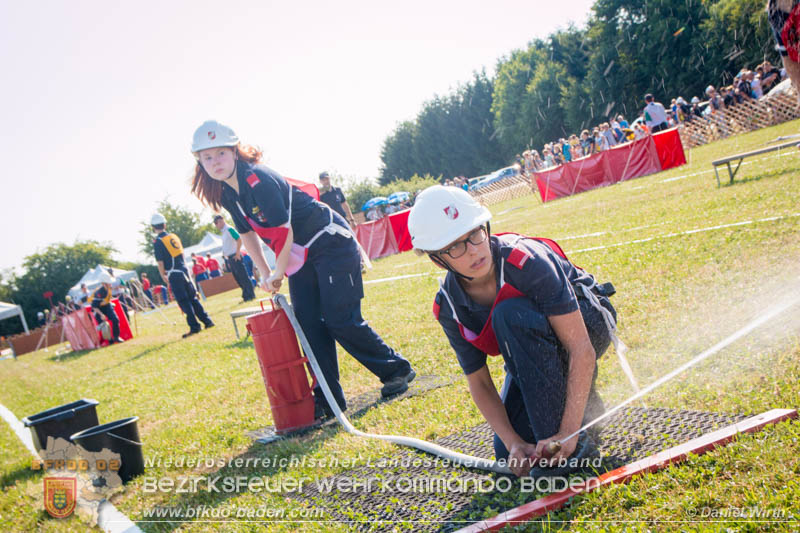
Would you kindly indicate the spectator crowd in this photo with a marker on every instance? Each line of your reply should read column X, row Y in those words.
column 746, row 85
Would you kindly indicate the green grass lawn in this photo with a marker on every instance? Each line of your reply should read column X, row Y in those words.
column 676, row 296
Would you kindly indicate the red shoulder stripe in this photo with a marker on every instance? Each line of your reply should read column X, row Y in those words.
column 518, row 257
column 436, row 308
column 253, row 180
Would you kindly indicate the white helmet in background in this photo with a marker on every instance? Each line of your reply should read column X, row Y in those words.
column 212, row 134
column 443, row 214
column 157, row 219
column 104, row 330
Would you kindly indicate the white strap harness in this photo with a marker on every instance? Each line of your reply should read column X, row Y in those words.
column 331, row 228
column 608, row 318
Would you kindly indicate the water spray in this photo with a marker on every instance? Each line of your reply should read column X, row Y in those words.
column 429, row 447
column 554, row 447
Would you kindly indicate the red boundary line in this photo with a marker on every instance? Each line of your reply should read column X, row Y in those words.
column 653, row 463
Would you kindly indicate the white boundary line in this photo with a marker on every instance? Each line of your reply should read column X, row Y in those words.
column 395, row 278
column 687, row 232
column 109, row 518
column 22, row 432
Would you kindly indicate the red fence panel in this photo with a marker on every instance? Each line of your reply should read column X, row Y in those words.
column 631, row 160
column 402, row 237
column 669, row 148
column 377, row 238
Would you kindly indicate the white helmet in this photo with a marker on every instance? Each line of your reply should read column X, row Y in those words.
column 104, row 330
column 443, row 214
column 157, row 219
column 212, row 134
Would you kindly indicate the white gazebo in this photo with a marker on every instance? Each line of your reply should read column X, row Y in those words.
column 10, row 310
column 92, row 279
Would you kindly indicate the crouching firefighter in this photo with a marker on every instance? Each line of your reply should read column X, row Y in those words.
column 172, row 266
column 519, row 297
column 101, row 300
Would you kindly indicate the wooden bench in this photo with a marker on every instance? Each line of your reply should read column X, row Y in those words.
column 740, row 157
column 239, row 313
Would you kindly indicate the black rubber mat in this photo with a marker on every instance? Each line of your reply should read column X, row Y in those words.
column 359, row 405
column 427, row 494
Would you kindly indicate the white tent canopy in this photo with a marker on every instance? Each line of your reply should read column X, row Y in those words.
column 92, row 279
column 210, row 244
column 10, row 310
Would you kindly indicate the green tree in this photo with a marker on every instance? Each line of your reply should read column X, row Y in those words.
column 184, row 223
column 513, row 130
column 668, row 48
column 735, row 34
column 452, row 135
column 542, row 105
column 397, row 154
column 359, row 192
column 57, row 268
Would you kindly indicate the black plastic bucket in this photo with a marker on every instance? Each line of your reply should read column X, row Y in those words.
column 61, row 421
column 120, row 436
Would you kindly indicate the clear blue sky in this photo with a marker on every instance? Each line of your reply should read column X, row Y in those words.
column 100, row 99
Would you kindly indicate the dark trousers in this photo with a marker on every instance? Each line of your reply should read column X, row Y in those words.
column 149, row 295
column 236, row 266
column 659, row 127
column 326, row 294
column 535, row 388
column 108, row 311
column 186, row 296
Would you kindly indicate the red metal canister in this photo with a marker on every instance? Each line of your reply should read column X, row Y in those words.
column 284, row 370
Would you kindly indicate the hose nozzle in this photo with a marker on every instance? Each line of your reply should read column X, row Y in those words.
column 552, row 448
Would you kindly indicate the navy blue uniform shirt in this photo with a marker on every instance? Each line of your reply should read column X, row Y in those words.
column 268, row 203
column 546, row 278
column 161, row 253
column 334, row 198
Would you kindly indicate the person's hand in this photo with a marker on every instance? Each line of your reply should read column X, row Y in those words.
column 238, row 256
column 567, row 447
column 273, row 282
column 521, row 457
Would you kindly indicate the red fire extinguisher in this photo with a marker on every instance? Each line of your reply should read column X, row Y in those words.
column 283, row 368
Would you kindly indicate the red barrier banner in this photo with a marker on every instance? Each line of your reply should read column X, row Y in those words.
column 124, row 327
column 80, row 331
column 623, row 162
column 402, row 237
column 377, row 238
column 669, row 148
column 80, row 327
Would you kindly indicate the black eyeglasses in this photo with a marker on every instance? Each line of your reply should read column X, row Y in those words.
column 459, row 248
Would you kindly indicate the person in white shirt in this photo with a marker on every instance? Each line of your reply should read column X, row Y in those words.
column 655, row 115
column 232, row 252
column 755, row 84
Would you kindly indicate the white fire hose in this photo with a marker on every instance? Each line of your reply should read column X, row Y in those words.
column 429, row 447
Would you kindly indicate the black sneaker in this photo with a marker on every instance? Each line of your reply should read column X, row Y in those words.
column 191, row 332
column 209, row 324
column 322, row 412
column 582, row 458
column 398, row 385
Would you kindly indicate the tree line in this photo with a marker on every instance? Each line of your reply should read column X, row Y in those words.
column 578, row 77
column 60, row 266
column 571, row 80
